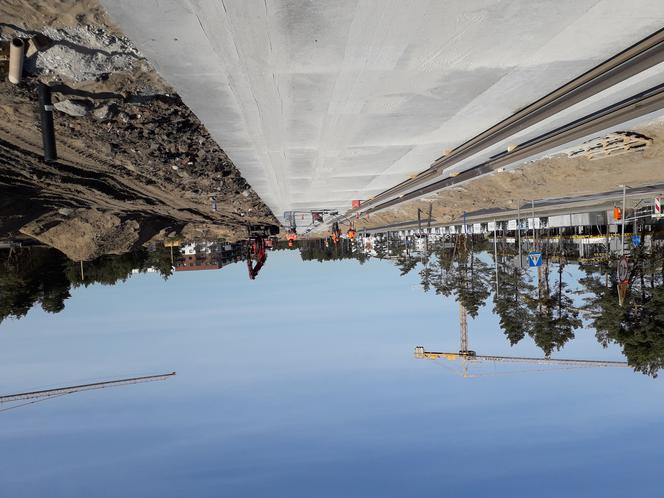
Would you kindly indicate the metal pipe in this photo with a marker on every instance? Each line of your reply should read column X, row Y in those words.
column 16, row 52
column 48, row 131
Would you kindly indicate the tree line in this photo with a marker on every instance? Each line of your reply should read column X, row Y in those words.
column 44, row 276
column 544, row 308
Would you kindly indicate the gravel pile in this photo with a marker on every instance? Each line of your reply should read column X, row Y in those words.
column 85, row 53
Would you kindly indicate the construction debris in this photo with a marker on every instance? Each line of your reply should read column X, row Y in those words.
column 613, row 144
column 73, row 107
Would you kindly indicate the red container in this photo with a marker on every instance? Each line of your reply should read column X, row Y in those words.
column 356, row 204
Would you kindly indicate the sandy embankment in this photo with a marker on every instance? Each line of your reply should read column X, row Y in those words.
column 134, row 162
column 554, row 177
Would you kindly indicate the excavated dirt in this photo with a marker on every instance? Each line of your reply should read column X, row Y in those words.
column 93, row 229
column 135, row 164
column 554, row 177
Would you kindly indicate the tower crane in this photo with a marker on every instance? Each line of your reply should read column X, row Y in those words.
column 35, row 396
column 469, row 356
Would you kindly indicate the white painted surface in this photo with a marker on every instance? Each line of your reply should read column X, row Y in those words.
column 321, row 102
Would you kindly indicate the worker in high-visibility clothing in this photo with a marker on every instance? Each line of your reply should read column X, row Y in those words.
column 336, row 233
column 617, row 213
column 351, row 232
column 291, row 237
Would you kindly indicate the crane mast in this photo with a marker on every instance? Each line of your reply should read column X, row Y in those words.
column 463, row 325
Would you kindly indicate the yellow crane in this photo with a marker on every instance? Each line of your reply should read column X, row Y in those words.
column 36, row 396
column 469, row 356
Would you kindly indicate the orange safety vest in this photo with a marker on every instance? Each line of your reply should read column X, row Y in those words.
column 617, row 214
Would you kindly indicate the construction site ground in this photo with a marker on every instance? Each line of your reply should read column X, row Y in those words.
column 135, row 164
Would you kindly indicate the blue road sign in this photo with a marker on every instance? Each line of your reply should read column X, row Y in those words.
column 534, row 259
column 636, row 240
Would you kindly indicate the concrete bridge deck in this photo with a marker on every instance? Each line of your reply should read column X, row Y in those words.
column 321, row 102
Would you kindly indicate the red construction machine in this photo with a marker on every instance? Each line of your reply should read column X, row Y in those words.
column 257, row 243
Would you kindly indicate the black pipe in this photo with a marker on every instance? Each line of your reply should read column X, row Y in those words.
column 48, row 131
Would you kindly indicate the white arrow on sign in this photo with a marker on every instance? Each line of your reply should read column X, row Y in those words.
column 535, row 258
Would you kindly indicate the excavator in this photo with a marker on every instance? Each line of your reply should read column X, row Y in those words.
column 256, row 247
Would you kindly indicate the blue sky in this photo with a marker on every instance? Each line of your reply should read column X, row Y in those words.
column 303, row 383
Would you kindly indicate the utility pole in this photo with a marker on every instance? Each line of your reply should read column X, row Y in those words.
column 622, row 236
column 495, row 254
column 634, row 218
column 518, row 226
column 430, row 214
column 532, row 208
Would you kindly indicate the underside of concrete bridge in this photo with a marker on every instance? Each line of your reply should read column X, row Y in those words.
column 322, row 102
